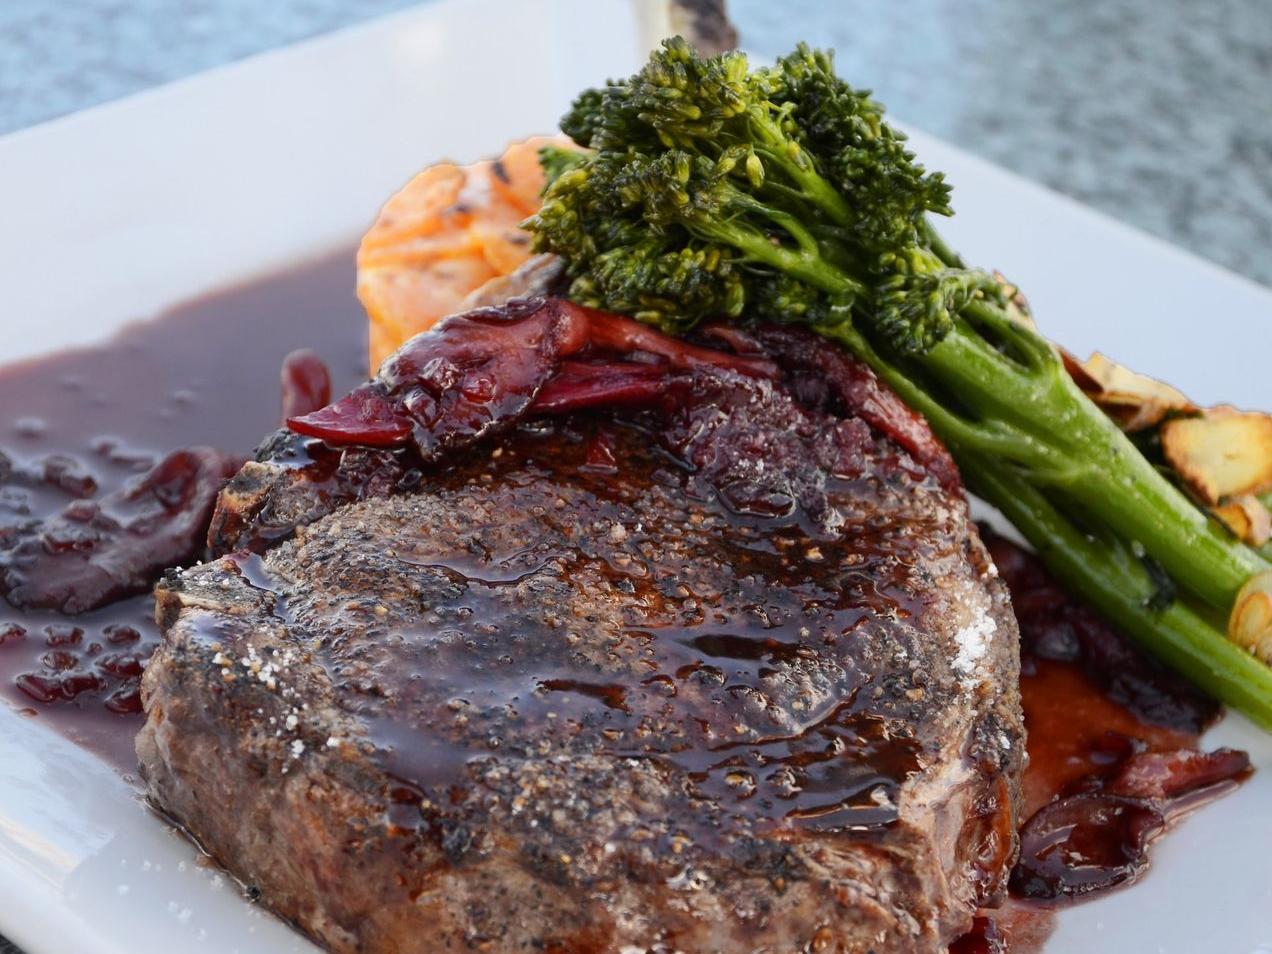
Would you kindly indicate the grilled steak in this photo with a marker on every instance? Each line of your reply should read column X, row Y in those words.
column 715, row 665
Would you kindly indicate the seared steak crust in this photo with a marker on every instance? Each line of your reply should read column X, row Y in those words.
column 740, row 679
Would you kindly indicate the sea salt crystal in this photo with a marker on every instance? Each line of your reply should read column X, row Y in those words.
column 297, row 747
column 973, row 641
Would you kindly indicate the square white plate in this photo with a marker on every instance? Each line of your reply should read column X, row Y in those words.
column 122, row 211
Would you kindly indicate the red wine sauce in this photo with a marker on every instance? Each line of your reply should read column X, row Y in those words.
column 80, row 424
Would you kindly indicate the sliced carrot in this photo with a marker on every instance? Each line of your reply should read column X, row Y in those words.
column 444, row 234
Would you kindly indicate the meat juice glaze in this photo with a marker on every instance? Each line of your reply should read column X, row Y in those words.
column 84, row 425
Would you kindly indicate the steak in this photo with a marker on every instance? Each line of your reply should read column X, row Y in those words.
column 670, row 649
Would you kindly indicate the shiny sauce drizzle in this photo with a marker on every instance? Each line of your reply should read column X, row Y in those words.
column 712, row 623
column 1112, row 737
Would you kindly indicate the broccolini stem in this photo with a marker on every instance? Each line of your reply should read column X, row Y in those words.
column 805, row 262
column 1033, row 419
column 1116, row 583
column 1000, row 439
column 1091, row 462
column 936, row 242
column 778, row 151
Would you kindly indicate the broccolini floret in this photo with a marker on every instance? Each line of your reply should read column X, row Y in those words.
column 778, row 172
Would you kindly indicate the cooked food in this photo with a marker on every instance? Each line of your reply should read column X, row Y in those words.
column 1103, row 790
column 717, row 665
column 1221, row 456
column 96, row 552
column 710, row 190
column 697, row 190
column 442, row 236
column 1135, row 401
column 632, row 605
column 1224, row 454
column 1251, row 622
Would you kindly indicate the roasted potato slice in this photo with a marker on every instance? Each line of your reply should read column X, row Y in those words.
column 446, row 233
column 1247, row 518
column 1250, row 625
column 1224, row 454
column 1135, row 401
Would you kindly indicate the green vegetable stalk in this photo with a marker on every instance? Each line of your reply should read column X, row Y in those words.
column 1110, row 576
column 715, row 191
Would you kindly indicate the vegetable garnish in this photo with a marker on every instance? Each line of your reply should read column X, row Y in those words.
column 440, row 237
column 712, row 190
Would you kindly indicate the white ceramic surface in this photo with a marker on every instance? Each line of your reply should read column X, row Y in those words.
column 117, row 213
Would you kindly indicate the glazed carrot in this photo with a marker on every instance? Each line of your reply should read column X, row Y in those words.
column 445, row 233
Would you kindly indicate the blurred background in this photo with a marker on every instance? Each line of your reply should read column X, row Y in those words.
column 1158, row 112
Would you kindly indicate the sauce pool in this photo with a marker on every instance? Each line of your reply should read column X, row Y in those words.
column 81, row 424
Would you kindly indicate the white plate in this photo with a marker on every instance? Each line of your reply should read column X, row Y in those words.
column 122, row 211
